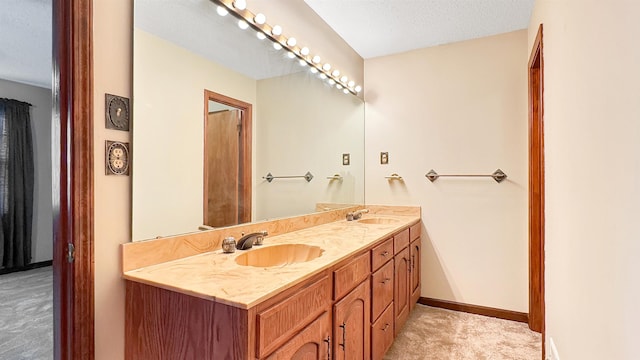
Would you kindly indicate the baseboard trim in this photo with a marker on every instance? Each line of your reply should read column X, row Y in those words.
column 476, row 309
column 26, row 267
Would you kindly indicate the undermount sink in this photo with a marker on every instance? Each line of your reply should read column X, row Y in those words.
column 279, row 255
column 378, row 221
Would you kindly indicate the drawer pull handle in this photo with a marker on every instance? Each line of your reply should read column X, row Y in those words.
column 328, row 341
column 385, row 253
column 386, row 326
column 344, row 337
column 386, row 280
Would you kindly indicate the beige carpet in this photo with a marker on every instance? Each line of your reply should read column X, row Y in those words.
column 438, row 334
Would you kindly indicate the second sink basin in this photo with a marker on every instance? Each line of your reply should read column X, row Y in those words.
column 279, row 255
column 378, row 221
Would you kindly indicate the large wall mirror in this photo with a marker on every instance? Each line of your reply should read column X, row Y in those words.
column 183, row 50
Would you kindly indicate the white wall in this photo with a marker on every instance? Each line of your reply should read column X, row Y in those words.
column 306, row 125
column 459, row 109
column 169, row 133
column 592, row 150
column 40, row 98
column 112, row 65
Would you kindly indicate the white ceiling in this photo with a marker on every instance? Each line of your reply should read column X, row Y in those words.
column 372, row 27
column 382, row 27
column 25, row 41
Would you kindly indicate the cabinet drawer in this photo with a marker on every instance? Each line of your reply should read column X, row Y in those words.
column 350, row 275
column 382, row 293
column 381, row 254
column 382, row 334
column 276, row 324
column 414, row 230
column 401, row 240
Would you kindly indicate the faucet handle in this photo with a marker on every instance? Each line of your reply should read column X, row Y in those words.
column 260, row 237
column 349, row 216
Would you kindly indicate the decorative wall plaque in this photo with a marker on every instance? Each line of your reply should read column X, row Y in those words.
column 117, row 112
column 116, row 158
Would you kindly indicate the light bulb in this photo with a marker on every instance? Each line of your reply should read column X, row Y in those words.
column 261, row 35
column 240, row 4
column 277, row 46
column 304, row 51
column 332, row 82
column 302, row 62
column 346, row 91
column 358, row 88
column 344, row 79
column 222, row 11
column 351, row 83
column 292, row 42
column 326, row 67
column 316, row 59
column 276, row 30
column 339, row 86
column 336, row 73
column 314, row 70
column 260, row 18
column 323, row 76
column 290, row 55
column 243, row 24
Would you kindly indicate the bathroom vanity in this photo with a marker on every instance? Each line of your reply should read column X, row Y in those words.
column 339, row 290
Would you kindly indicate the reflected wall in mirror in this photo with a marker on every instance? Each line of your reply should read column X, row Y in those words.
column 299, row 123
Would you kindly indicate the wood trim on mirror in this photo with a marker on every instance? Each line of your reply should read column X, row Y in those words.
column 244, row 214
column 73, row 171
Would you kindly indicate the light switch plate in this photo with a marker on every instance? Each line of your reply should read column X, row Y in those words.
column 346, row 159
column 117, row 114
column 384, row 158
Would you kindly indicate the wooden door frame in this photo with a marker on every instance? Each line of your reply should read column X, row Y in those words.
column 245, row 146
column 72, row 156
column 536, row 188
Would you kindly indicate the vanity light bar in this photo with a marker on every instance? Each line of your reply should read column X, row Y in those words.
column 258, row 22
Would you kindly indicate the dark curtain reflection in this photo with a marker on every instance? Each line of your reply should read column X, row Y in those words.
column 16, row 183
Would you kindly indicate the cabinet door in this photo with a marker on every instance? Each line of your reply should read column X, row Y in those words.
column 402, row 292
column 351, row 324
column 414, row 251
column 312, row 343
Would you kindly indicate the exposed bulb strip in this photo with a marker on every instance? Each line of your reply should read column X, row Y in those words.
column 258, row 22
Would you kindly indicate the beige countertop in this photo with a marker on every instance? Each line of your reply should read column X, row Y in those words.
column 217, row 277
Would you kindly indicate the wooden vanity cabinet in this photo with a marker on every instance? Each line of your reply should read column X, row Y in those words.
column 312, row 343
column 382, row 288
column 382, row 334
column 401, row 294
column 351, row 322
column 414, row 253
column 352, row 310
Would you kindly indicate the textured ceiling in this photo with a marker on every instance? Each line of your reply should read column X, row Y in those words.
column 382, row 27
column 372, row 27
column 25, row 41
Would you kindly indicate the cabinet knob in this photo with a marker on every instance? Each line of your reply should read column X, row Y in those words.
column 385, row 253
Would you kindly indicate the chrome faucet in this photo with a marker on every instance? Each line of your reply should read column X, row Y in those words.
column 356, row 214
column 247, row 241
